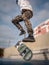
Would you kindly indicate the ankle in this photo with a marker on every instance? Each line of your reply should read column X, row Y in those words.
column 22, row 30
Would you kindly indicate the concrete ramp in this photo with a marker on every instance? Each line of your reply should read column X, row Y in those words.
column 38, row 47
column 42, row 41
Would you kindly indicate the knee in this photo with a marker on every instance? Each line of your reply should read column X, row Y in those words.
column 24, row 17
column 14, row 21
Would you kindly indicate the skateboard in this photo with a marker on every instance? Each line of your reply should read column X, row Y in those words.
column 24, row 51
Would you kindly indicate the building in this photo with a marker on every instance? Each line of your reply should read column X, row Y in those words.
column 41, row 28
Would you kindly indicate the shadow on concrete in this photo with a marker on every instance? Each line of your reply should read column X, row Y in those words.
column 17, row 62
column 7, row 61
column 45, row 51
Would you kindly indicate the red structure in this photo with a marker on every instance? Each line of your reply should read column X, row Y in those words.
column 42, row 28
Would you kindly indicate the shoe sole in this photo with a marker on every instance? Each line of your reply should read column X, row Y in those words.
column 28, row 40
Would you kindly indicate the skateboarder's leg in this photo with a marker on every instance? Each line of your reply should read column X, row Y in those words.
column 16, row 21
column 26, row 16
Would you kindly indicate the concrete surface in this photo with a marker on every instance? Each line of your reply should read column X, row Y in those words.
column 41, row 45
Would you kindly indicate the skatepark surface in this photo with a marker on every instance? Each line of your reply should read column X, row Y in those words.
column 41, row 43
column 40, row 49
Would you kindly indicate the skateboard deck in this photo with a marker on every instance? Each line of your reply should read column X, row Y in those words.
column 24, row 51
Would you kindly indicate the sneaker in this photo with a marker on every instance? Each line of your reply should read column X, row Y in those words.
column 22, row 32
column 29, row 39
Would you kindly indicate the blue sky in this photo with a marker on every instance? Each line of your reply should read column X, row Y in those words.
column 9, row 34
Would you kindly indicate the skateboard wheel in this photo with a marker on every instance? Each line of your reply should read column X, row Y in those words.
column 28, row 56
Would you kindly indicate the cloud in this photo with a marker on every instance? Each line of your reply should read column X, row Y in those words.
column 46, row 6
column 6, row 32
column 41, row 15
column 7, row 5
column 6, row 18
column 8, row 10
column 7, row 37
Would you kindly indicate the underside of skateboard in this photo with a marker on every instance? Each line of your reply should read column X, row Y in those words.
column 24, row 51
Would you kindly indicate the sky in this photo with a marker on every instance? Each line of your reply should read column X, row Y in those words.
column 9, row 34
